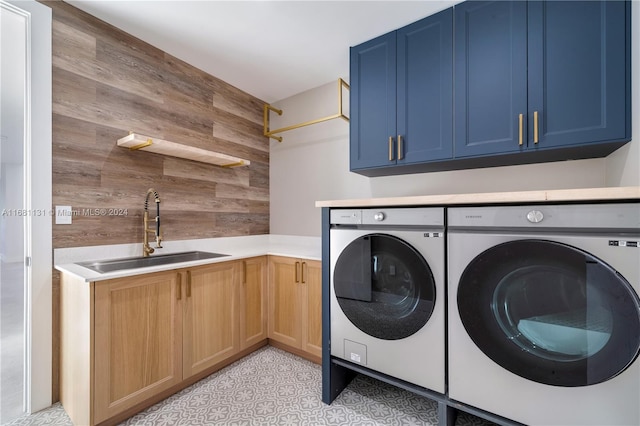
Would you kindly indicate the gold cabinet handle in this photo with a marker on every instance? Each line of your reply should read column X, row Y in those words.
column 400, row 147
column 297, row 267
column 244, row 272
column 179, row 287
column 390, row 148
column 535, row 127
column 520, row 126
column 303, row 265
column 188, row 283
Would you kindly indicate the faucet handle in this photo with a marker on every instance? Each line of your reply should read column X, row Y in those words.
column 147, row 250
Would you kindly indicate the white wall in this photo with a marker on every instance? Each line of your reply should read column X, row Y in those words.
column 313, row 164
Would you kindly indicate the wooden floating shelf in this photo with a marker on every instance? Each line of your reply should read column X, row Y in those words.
column 137, row 142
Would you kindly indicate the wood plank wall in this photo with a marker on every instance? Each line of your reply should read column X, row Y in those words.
column 107, row 83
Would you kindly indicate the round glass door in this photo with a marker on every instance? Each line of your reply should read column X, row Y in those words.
column 550, row 312
column 384, row 286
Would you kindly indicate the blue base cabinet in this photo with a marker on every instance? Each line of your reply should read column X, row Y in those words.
column 533, row 82
column 401, row 95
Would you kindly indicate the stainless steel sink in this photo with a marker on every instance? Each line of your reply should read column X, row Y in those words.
column 111, row 265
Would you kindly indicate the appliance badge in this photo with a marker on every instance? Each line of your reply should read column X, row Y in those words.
column 433, row 234
column 535, row 216
column 618, row 243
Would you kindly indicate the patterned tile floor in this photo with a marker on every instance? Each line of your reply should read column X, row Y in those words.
column 273, row 387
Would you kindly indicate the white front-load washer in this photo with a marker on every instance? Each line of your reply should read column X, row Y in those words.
column 544, row 313
column 387, row 292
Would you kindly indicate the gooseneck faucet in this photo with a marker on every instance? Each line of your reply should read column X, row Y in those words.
column 146, row 248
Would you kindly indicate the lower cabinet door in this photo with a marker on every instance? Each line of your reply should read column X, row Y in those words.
column 295, row 304
column 138, row 321
column 253, row 302
column 285, row 310
column 211, row 329
column 312, row 307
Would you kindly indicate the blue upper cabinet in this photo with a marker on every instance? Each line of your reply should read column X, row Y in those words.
column 492, row 83
column 373, row 102
column 402, row 95
column 425, row 90
column 538, row 75
column 579, row 79
column 490, row 77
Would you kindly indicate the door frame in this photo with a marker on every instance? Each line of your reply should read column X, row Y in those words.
column 38, row 228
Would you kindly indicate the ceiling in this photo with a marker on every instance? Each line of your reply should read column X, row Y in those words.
column 270, row 49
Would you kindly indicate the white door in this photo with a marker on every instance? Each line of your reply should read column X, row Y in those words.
column 25, row 208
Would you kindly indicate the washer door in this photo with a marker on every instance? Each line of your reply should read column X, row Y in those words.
column 550, row 312
column 384, row 286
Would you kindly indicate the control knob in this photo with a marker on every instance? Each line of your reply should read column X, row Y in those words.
column 378, row 216
column 535, row 216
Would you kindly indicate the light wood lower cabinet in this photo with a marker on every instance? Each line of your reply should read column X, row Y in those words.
column 295, row 305
column 211, row 329
column 312, row 308
column 129, row 342
column 253, row 302
column 138, row 327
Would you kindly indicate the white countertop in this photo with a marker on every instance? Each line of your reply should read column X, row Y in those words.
column 235, row 247
column 560, row 195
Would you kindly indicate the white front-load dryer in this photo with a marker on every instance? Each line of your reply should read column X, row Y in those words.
column 387, row 292
column 544, row 313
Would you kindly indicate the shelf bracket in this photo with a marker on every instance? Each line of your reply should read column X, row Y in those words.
column 272, row 133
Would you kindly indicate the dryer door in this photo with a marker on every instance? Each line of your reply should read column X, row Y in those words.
column 384, row 286
column 550, row 312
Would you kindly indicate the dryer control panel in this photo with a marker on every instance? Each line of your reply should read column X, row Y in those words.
column 421, row 216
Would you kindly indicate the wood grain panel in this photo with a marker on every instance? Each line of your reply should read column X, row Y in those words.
column 233, row 101
column 222, row 130
column 136, row 74
column 107, row 83
column 203, row 172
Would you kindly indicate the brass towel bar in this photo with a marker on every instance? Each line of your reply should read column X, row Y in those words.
column 271, row 133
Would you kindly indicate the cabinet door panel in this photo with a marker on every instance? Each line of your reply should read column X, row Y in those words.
column 254, row 316
column 312, row 307
column 576, row 81
column 210, row 321
column 425, row 89
column 490, row 76
column 137, row 327
column 372, row 102
column 284, row 301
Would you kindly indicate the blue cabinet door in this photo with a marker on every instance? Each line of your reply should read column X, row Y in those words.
column 490, row 77
column 373, row 102
column 401, row 97
column 425, row 90
column 578, row 73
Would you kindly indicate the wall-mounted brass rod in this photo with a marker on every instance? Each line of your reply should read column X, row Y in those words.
column 306, row 123
column 265, row 120
column 341, row 83
column 271, row 133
